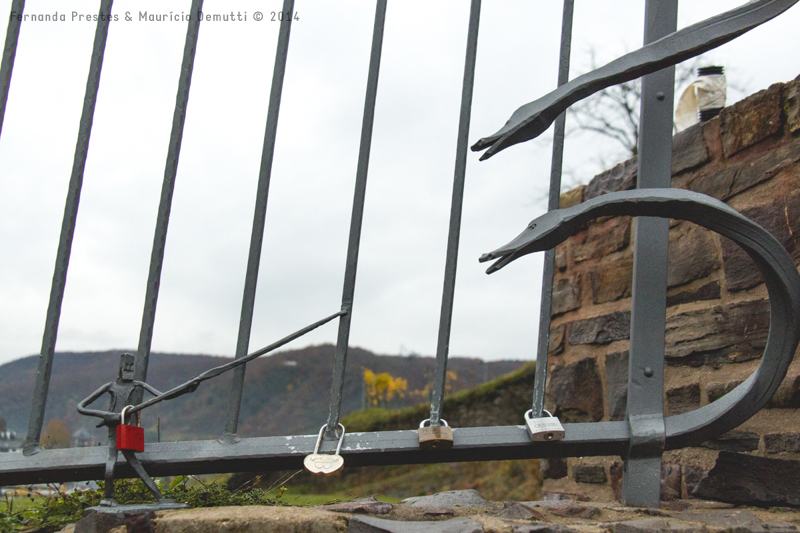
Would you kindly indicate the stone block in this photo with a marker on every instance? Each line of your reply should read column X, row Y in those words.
column 715, row 391
column 469, row 498
column 744, row 479
column 556, row 342
column 740, row 271
column 782, row 442
column 751, row 120
column 617, row 380
column 708, row 291
column 655, row 525
column 589, row 474
column 368, row 505
column 577, row 392
column 791, row 105
column 566, row 295
column 554, row 468
column 621, row 177
column 601, row 329
column 140, row 522
column 601, row 238
column 572, row 197
column 735, row 441
column 99, row 522
column 561, row 257
column 611, row 280
column 692, row 475
column 689, row 149
column 788, row 393
column 616, row 471
column 692, row 254
column 721, row 334
column 683, row 399
column 370, row 524
column 792, row 211
column 542, row 528
column 670, row 482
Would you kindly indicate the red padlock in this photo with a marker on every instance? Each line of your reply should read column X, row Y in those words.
column 129, row 437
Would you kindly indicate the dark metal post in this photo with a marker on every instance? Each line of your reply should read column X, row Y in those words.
column 451, row 261
column 67, row 232
column 540, row 381
column 356, row 218
column 259, row 219
column 9, row 53
column 165, row 204
column 645, row 412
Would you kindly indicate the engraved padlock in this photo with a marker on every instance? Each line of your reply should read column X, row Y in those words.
column 435, row 437
column 324, row 464
column 545, row 428
column 129, row 437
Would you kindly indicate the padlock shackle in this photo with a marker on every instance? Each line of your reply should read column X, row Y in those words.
column 319, row 439
column 122, row 413
column 428, row 420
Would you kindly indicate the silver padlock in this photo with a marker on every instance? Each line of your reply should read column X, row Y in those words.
column 322, row 463
column 544, row 429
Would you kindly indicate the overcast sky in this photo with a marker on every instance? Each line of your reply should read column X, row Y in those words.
column 401, row 267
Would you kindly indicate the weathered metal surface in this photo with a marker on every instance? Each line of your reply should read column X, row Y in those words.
column 356, row 219
column 67, row 233
column 773, row 261
column 546, row 303
column 532, row 119
column 454, row 233
column 9, row 54
column 167, row 189
column 259, row 220
column 645, row 409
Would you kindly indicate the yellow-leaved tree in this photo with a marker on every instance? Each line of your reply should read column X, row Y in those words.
column 380, row 389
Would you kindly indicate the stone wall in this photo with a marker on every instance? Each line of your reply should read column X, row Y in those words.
column 717, row 307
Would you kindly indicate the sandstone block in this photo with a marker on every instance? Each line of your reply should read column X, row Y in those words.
column 689, row 149
column 782, row 442
column 611, row 280
column 670, row 482
column 601, row 238
column 715, row 391
column 683, row 399
column 722, row 334
column 617, row 380
column 561, row 257
column 621, row 177
column 656, row 525
column 566, row 295
column 572, row 197
column 589, row 474
column 735, row 441
column 556, row 341
column 554, row 468
column 600, row 329
column 692, row 475
column 692, row 254
column 469, row 498
column 791, row 105
column 788, row 393
column 751, row 120
column 370, row 524
column 709, row 291
column 577, row 392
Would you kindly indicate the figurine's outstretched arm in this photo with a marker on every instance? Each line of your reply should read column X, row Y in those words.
column 107, row 416
column 532, row 119
column 152, row 390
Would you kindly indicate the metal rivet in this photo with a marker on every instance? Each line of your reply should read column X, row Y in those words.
column 648, row 371
column 660, row 95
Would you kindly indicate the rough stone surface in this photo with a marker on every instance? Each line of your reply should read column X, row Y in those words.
column 578, row 511
column 708, row 291
column 601, row 238
column 788, row 393
column 250, row 518
column 469, row 498
column 518, row 511
column 715, row 391
column 691, row 254
column 572, row 197
column 556, row 342
column 692, row 475
column 731, row 520
column 566, row 295
column 721, row 334
column 670, row 482
column 370, row 524
column 656, row 525
column 683, row 399
column 782, row 442
column 601, row 329
column 750, row 480
column 577, row 391
column 561, row 257
column 589, row 474
column 363, row 505
column 619, row 178
column 791, row 105
column 689, row 149
column 751, row 120
column 617, row 380
column 611, row 281
column 541, row 528
column 740, row 271
column 735, row 441
column 616, row 471
column 140, row 522
column 554, row 468
column 99, row 523
column 792, row 212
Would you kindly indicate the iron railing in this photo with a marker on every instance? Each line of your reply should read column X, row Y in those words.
column 640, row 439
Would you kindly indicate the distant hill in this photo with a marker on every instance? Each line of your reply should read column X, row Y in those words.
column 285, row 394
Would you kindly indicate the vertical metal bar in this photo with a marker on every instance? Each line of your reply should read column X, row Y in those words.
column 645, row 414
column 355, row 221
column 9, row 54
column 451, row 261
column 540, row 381
column 67, row 232
column 165, row 204
column 259, row 218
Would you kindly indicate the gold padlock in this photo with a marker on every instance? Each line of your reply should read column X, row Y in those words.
column 435, row 437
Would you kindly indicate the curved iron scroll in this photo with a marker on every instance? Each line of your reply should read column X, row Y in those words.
column 532, row 119
column 776, row 265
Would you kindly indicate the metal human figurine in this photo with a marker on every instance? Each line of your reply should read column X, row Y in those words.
column 121, row 391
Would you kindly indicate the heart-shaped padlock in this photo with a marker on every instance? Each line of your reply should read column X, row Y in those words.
column 325, row 464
